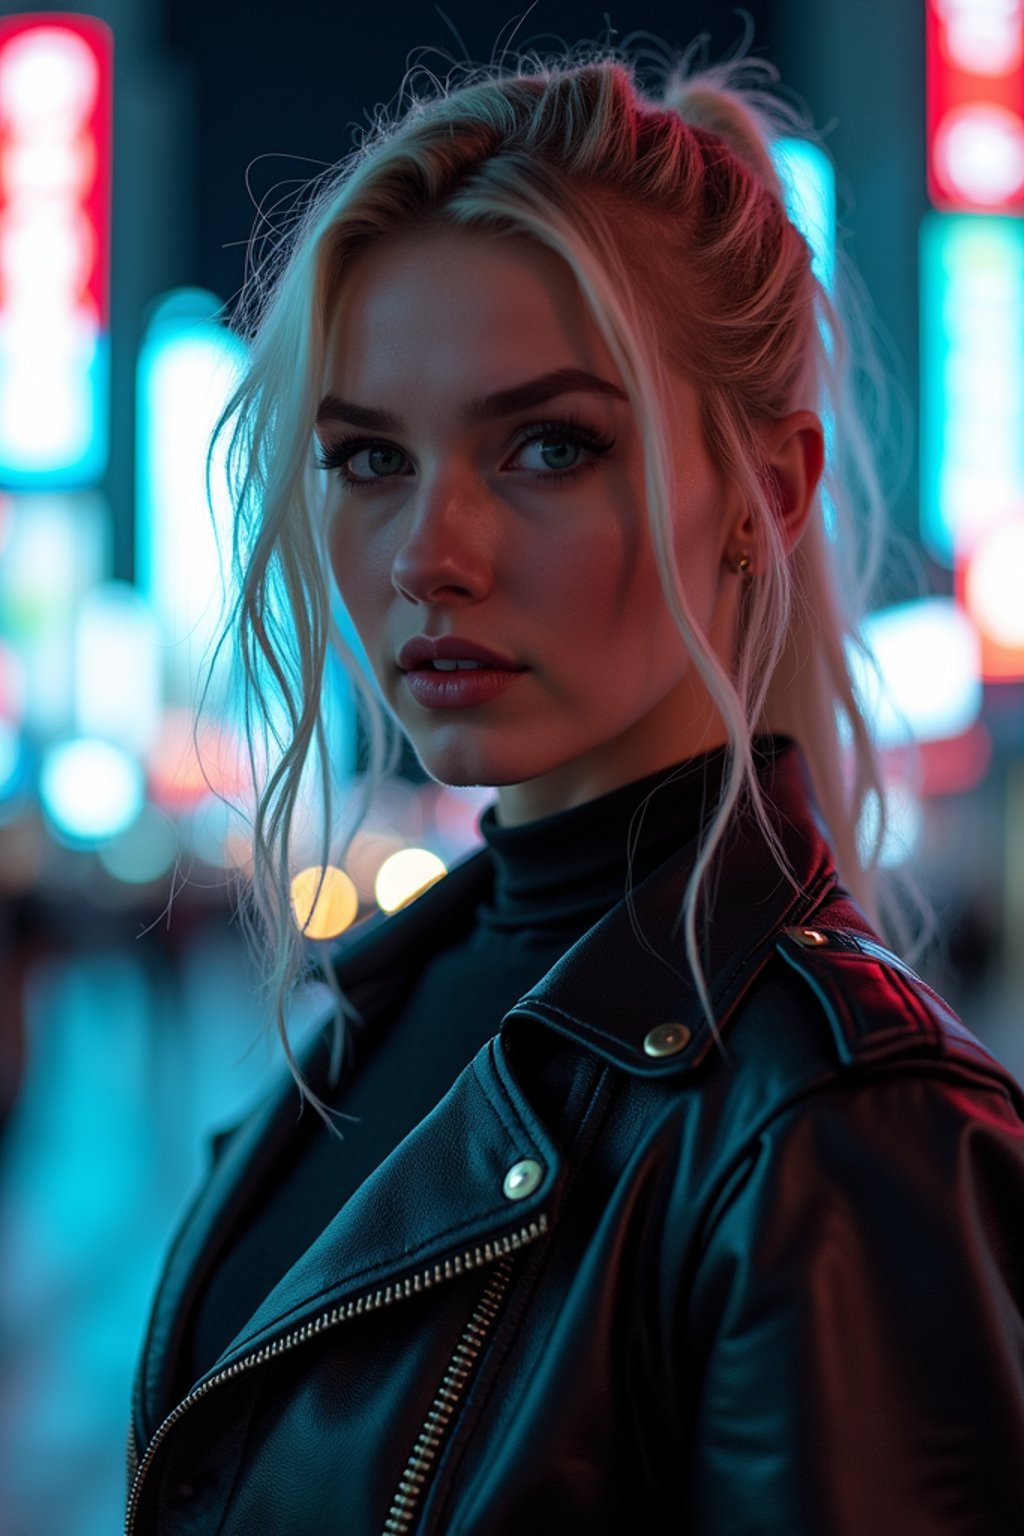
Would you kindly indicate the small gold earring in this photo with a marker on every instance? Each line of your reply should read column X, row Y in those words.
column 742, row 564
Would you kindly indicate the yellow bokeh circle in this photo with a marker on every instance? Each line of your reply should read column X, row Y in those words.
column 323, row 915
column 406, row 874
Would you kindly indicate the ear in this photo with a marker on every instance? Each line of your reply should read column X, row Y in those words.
column 795, row 448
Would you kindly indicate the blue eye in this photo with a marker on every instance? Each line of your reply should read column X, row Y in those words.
column 570, row 430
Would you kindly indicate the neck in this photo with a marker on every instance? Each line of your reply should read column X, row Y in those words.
column 658, row 741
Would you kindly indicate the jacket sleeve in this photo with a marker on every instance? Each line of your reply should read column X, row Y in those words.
column 854, row 1332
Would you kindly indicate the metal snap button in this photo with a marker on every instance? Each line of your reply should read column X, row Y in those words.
column 808, row 937
column 666, row 1039
column 522, row 1179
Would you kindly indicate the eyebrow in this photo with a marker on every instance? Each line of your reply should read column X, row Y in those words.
column 481, row 408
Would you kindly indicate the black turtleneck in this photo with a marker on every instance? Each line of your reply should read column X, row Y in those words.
column 553, row 879
column 561, row 873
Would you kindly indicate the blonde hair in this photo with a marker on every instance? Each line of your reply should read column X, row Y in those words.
column 643, row 199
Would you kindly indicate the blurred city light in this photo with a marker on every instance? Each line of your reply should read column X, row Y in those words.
column 972, row 379
column 187, row 366
column 55, row 147
column 974, row 87
column 929, row 657
column 809, row 179
column 990, row 586
column 117, row 667
column 405, row 875
column 323, row 908
column 981, row 149
column 995, row 576
column 983, row 37
column 57, row 548
column 90, row 789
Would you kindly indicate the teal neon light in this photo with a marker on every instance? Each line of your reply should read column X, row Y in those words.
column 55, row 420
column 187, row 366
column 809, row 183
column 972, row 379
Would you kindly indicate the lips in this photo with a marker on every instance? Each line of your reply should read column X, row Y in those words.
column 472, row 689
column 424, row 649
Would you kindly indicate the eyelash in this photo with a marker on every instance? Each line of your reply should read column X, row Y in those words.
column 570, row 429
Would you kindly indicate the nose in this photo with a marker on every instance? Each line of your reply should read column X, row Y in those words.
column 443, row 552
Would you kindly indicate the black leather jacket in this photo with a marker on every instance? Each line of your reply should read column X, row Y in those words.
column 616, row 1283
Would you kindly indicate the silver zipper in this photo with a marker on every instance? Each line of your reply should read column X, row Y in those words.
column 371, row 1302
column 417, row 1470
column 133, row 1453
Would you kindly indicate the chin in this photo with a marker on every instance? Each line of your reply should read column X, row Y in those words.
column 463, row 764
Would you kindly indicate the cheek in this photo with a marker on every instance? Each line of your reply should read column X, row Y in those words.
column 338, row 553
column 697, row 537
column 355, row 570
column 357, row 591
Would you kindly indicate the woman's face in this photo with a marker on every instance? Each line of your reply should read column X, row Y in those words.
column 461, row 526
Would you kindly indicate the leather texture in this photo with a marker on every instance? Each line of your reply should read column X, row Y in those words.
column 770, row 1286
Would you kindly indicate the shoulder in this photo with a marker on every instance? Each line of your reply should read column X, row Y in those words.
column 876, row 1006
column 857, row 1095
column 855, row 1289
column 833, row 1006
column 852, row 1285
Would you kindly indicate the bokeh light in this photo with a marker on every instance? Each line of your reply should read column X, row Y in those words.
column 406, row 875
column 323, row 908
column 90, row 789
column 995, row 585
column 980, row 153
column 930, row 661
column 117, row 664
column 984, row 37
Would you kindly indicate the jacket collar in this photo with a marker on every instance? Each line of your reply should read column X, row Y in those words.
column 592, row 994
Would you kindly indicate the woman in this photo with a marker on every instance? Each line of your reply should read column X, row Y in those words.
column 668, row 1197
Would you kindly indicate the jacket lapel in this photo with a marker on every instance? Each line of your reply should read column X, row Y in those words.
column 440, row 1196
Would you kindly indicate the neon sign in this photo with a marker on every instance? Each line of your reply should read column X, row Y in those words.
column 975, row 96
column 55, row 143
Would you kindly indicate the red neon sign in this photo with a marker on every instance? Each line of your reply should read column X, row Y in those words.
column 975, row 105
column 55, row 184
